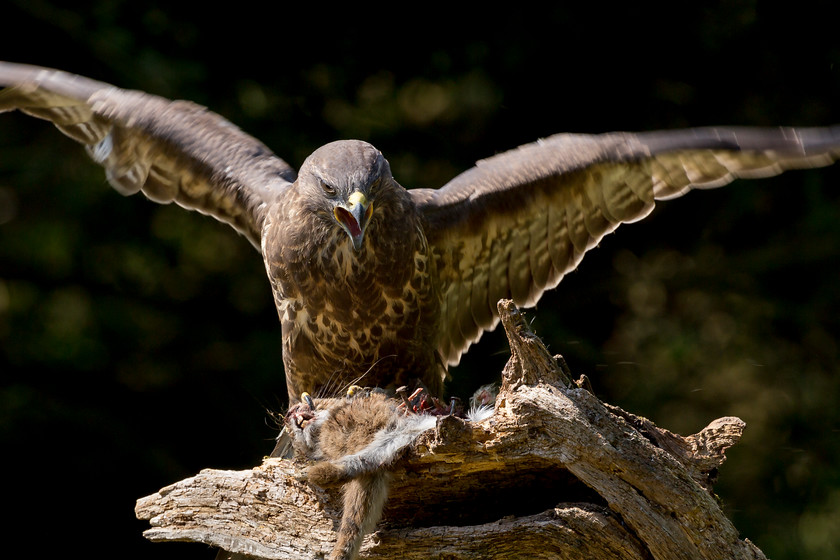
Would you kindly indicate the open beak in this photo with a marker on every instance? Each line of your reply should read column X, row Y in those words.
column 354, row 216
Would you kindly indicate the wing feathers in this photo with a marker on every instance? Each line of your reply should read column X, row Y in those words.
column 172, row 151
column 538, row 253
column 513, row 225
column 519, row 267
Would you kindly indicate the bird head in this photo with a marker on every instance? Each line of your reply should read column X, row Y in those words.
column 344, row 177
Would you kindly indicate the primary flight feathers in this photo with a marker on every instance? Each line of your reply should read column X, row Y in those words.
column 431, row 263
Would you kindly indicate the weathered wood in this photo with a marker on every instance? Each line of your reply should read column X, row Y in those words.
column 554, row 473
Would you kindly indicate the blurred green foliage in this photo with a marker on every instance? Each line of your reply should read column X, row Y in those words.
column 139, row 343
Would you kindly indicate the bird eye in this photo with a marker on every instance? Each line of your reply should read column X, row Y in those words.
column 375, row 184
column 329, row 189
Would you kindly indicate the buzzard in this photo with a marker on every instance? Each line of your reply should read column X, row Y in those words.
column 376, row 284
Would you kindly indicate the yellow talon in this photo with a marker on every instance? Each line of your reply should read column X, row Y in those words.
column 305, row 397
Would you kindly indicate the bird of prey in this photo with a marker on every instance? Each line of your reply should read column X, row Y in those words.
column 379, row 285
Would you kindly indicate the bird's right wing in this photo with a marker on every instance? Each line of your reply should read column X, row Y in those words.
column 172, row 151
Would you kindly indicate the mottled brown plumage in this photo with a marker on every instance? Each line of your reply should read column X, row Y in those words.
column 375, row 284
column 348, row 313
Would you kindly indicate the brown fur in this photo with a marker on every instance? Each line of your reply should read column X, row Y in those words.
column 353, row 442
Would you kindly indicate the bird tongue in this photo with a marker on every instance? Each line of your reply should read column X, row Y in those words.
column 353, row 227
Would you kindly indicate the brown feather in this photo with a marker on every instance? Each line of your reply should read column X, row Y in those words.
column 561, row 195
column 432, row 264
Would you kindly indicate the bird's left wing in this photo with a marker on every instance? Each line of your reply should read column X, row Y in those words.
column 514, row 224
column 172, row 151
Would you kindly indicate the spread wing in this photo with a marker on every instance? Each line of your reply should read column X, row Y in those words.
column 514, row 224
column 172, row 151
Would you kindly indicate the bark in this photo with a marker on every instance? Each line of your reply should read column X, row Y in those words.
column 554, row 473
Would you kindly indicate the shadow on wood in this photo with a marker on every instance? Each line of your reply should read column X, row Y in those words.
column 554, row 473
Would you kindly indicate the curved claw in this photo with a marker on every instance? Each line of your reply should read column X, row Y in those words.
column 305, row 397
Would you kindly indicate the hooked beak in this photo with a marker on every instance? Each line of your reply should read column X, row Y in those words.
column 354, row 217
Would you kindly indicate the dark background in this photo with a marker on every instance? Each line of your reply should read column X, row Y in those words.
column 139, row 343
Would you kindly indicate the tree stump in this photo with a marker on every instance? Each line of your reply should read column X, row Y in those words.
column 554, row 473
